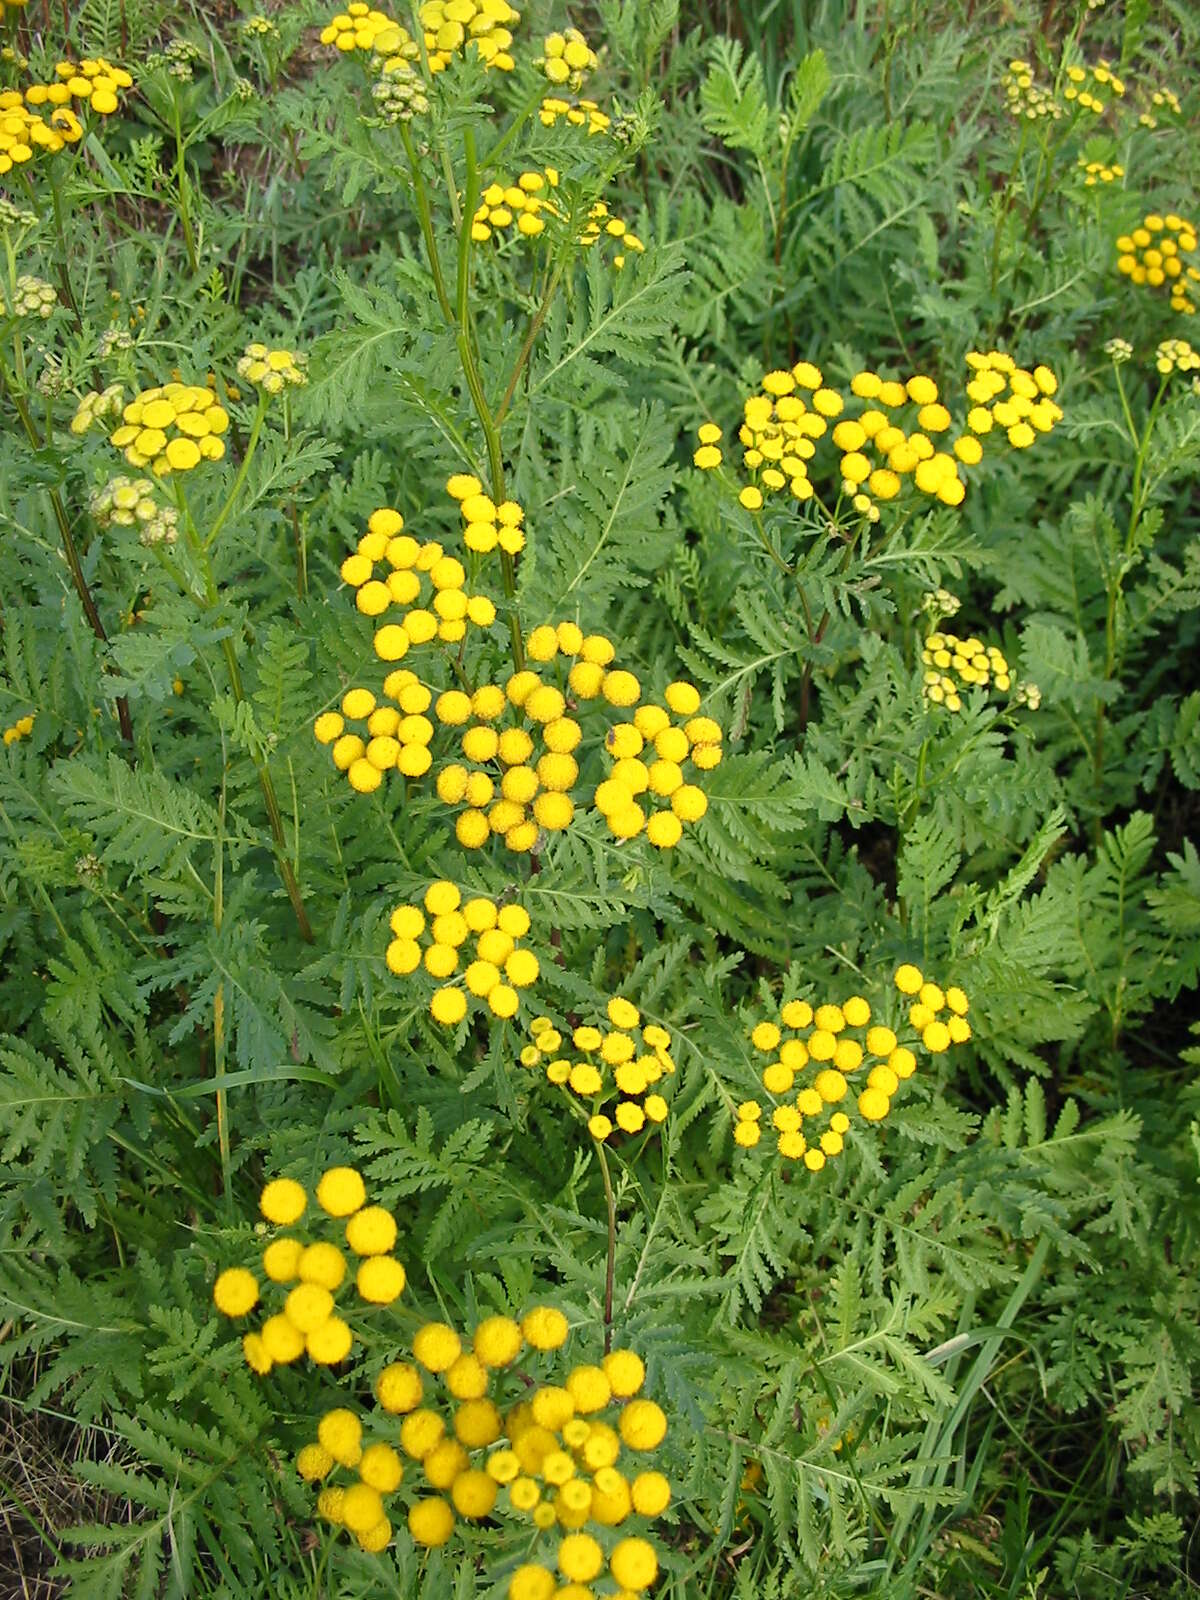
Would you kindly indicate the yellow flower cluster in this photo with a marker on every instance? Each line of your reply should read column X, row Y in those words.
column 824, row 1040
column 1099, row 172
column 444, row 1456
column 580, row 114
column 476, row 1422
column 1176, row 355
column 952, row 664
column 308, row 1322
column 360, row 27
column 410, row 564
column 485, row 524
column 20, row 729
column 602, row 225
column 929, row 1002
column 359, row 1505
column 1161, row 100
column 23, row 131
column 129, row 502
column 96, row 82
column 1153, row 255
column 567, row 59
column 1011, row 397
column 518, row 768
column 780, row 428
column 626, row 798
column 272, row 370
column 398, row 735
column 496, row 930
column 95, row 406
column 32, row 297
column 451, row 25
column 170, row 428
column 1024, row 97
column 553, row 1451
column 608, row 1066
column 1100, row 77
column 530, row 782
column 528, row 203
column 501, row 205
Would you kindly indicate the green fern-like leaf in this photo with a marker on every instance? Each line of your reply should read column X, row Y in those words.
column 733, row 101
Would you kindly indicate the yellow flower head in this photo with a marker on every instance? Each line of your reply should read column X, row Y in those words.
column 584, row 114
column 826, row 1061
column 953, row 665
column 622, row 1068
column 361, row 27
column 272, row 371
column 1028, row 100
column 475, row 943
column 649, row 787
column 453, row 27
column 567, row 59
column 894, row 437
column 521, row 206
column 1160, row 255
column 171, row 428
column 310, row 1272
column 1176, row 355
column 427, row 591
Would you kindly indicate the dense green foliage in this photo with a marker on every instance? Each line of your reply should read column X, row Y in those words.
column 960, row 1359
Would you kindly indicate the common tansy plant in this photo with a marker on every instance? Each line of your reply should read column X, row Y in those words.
column 562, row 1026
column 316, row 1268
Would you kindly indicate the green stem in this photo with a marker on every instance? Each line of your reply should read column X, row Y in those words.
column 231, row 499
column 301, row 554
column 787, row 571
column 274, row 816
column 518, row 122
column 425, row 218
column 219, row 1009
column 474, row 380
column 1005, row 208
column 457, row 316
column 300, row 543
column 611, row 1261
column 70, row 551
column 1045, row 170
column 64, row 272
column 266, row 784
column 526, row 349
column 1116, row 579
column 181, row 181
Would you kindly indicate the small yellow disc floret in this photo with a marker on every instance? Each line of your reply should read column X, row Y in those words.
column 283, row 1201
column 341, row 1191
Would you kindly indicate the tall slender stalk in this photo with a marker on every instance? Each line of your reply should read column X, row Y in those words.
column 219, row 1008
column 1114, row 580
column 535, row 325
column 64, row 254
column 611, row 1261
column 470, row 366
column 200, row 548
column 181, row 183
column 458, row 318
column 70, row 551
